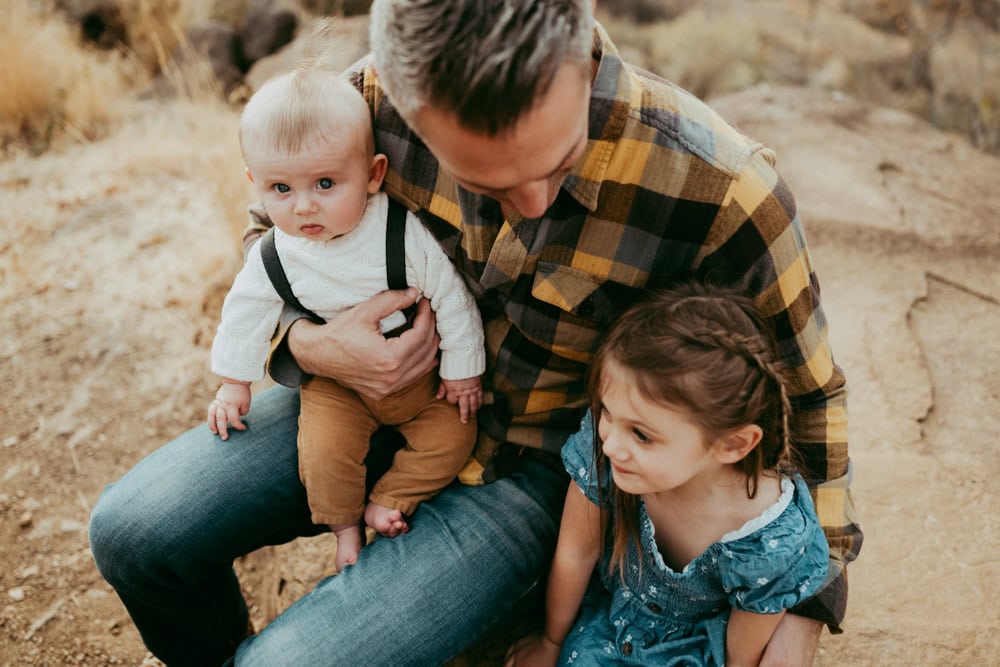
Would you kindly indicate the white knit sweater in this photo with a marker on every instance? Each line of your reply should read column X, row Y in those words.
column 329, row 277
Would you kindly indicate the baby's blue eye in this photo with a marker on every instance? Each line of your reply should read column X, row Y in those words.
column 325, row 183
column 281, row 188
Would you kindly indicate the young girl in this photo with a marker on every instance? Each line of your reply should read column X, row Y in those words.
column 704, row 537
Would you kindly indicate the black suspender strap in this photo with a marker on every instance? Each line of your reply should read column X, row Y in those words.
column 395, row 252
column 272, row 264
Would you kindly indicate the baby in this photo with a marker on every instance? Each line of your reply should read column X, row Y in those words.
column 309, row 150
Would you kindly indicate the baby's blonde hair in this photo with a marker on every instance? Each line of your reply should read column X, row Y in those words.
column 309, row 103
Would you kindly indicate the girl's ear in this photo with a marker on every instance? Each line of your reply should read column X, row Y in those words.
column 377, row 172
column 735, row 445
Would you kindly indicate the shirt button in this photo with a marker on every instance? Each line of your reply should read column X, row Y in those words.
column 655, row 608
column 627, row 649
column 487, row 212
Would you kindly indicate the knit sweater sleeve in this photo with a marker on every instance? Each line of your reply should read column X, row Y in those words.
column 249, row 318
column 463, row 354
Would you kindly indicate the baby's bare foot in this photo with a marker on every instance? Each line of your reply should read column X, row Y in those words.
column 348, row 545
column 385, row 521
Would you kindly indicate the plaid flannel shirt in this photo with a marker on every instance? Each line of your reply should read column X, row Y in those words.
column 665, row 191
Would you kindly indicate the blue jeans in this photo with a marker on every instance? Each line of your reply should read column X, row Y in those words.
column 166, row 534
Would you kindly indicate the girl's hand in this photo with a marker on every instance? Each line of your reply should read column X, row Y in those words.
column 232, row 401
column 467, row 394
column 533, row 651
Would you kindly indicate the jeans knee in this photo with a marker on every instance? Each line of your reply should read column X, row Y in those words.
column 115, row 543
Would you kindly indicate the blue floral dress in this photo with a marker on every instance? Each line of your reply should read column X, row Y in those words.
column 679, row 618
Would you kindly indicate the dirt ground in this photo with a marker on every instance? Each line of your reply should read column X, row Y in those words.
column 115, row 255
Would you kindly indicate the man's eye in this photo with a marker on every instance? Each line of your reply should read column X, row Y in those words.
column 281, row 188
column 325, row 183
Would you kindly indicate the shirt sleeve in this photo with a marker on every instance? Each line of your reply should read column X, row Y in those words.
column 766, row 252
column 781, row 565
column 463, row 353
column 249, row 316
column 281, row 365
column 578, row 459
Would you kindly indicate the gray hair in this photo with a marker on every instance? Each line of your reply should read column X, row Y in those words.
column 486, row 61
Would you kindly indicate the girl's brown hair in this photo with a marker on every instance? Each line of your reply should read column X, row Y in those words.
column 708, row 351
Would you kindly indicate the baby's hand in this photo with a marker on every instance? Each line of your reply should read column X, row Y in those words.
column 231, row 402
column 467, row 394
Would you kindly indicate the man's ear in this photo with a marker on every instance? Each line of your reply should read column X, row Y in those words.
column 735, row 445
column 249, row 175
column 380, row 163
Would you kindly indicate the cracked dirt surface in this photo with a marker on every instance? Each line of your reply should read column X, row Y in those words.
column 109, row 305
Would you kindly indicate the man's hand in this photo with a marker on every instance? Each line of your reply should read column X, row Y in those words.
column 793, row 643
column 467, row 394
column 232, row 401
column 532, row 651
column 350, row 348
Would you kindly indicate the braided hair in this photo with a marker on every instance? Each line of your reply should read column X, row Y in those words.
column 708, row 351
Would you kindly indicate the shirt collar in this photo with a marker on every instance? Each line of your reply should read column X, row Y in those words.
column 610, row 105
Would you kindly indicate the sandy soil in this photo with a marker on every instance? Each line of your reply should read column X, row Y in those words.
column 112, row 270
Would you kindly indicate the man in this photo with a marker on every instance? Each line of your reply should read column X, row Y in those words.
column 561, row 182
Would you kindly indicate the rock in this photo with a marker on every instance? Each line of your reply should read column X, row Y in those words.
column 219, row 45
column 265, row 32
column 16, row 594
column 347, row 39
column 101, row 21
column 28, row 572
column 901, row 175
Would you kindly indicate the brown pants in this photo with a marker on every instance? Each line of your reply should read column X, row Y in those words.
column 335, row 426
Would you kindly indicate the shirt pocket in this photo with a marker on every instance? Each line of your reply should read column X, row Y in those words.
column 577, row 308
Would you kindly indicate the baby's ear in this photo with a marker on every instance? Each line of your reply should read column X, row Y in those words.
column 380, row 163
column 735, row 445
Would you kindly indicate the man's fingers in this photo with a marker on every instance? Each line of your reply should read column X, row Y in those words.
column 386, row 303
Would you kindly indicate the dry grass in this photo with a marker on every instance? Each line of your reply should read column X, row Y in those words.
column 51, row 83
column 57, row 88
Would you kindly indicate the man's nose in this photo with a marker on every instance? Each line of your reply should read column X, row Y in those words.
column 531, row 199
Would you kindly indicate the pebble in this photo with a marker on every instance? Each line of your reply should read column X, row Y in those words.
column 29, row 571
column 25, row 519
column 16, row 594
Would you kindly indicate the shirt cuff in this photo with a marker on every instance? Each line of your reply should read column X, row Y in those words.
column 829, row 604
column 281, row 366
column 462, row 365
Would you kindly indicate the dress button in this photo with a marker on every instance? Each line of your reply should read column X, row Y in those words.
column 653, row 607
column 627, row 649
